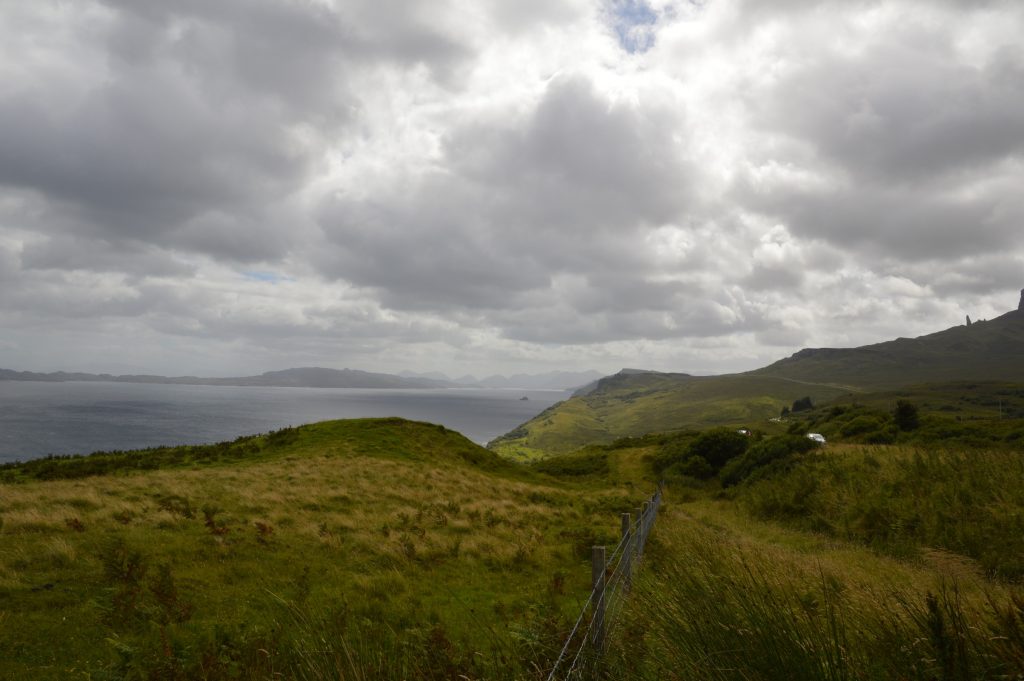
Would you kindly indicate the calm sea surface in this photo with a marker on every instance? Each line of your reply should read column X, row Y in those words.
column 37, row 419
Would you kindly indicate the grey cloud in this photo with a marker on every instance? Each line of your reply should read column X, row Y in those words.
column 525, row 15
column 786, row 337
column 195, row 119
column 9, row 264
column 905, row 110
column 631, row 293
column 68, row 252
column 152, row 149
column 146, row 152
column 581, row 163
column 995, row 275
column 912, row 149
column 698, row 317
column 277, row 47
column 910, row 224
column 773, row 278
column 64, row 298
column 571, row 189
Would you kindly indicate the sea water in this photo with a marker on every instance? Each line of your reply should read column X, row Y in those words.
column 38, row 418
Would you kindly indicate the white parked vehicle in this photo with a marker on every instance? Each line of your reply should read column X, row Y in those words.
column 817, row 437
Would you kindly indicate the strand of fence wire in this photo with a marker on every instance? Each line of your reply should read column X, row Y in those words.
column 610, row 589
column 586, row 632
column 583, row 643
column 615, row 585
column 572, row 634
column 607, row 599
column 615, row 595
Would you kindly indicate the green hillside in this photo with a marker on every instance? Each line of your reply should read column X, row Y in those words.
column 370, row 548
column 632, row 403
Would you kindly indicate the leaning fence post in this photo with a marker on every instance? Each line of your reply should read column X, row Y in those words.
column 637, row 534
column 627, row 551
column 597, row 565
column 643, row 525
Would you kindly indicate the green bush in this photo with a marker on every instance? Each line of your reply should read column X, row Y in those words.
column 905, row 415
column 718, row 445
column 575, row 465
column 763, row 453
column 861, row 425
column 672, row 450
column 803, row 404
column 694, row 467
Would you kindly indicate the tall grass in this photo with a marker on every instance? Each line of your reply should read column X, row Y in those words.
column 713, row 605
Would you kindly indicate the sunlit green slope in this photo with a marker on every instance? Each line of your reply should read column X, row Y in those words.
column 631, row 403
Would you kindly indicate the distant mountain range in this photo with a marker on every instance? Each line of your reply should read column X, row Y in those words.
column 305, row 377
column 635, row 402
column 318, row 377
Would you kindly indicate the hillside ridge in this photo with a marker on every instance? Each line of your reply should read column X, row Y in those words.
column 632, row 403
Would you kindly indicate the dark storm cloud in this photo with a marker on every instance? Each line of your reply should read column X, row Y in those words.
column 194, row 119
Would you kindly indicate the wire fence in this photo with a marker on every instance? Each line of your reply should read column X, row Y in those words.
column 611, row 578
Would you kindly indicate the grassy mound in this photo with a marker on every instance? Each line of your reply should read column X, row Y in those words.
column 374, row 548
column 389, row 437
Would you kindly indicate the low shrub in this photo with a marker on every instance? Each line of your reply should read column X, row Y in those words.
column 762, row 454
column 718, row 445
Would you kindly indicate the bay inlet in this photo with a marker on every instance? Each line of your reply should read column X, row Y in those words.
column 37, row 418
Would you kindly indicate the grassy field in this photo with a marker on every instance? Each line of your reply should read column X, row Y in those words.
column 388, row 549
column 349, row 549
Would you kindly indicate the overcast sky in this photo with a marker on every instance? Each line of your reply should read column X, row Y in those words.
column 221, row 187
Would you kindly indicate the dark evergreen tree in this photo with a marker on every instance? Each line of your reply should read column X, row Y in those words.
column 905, row 415
column 803, row 404
column 718, row 445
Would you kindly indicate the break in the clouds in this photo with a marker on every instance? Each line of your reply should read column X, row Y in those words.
column 197, row 187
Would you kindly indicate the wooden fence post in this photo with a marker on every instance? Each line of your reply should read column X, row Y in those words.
column 627, row 551
column 597, row 565
column 644, row 520
column 636, row 533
